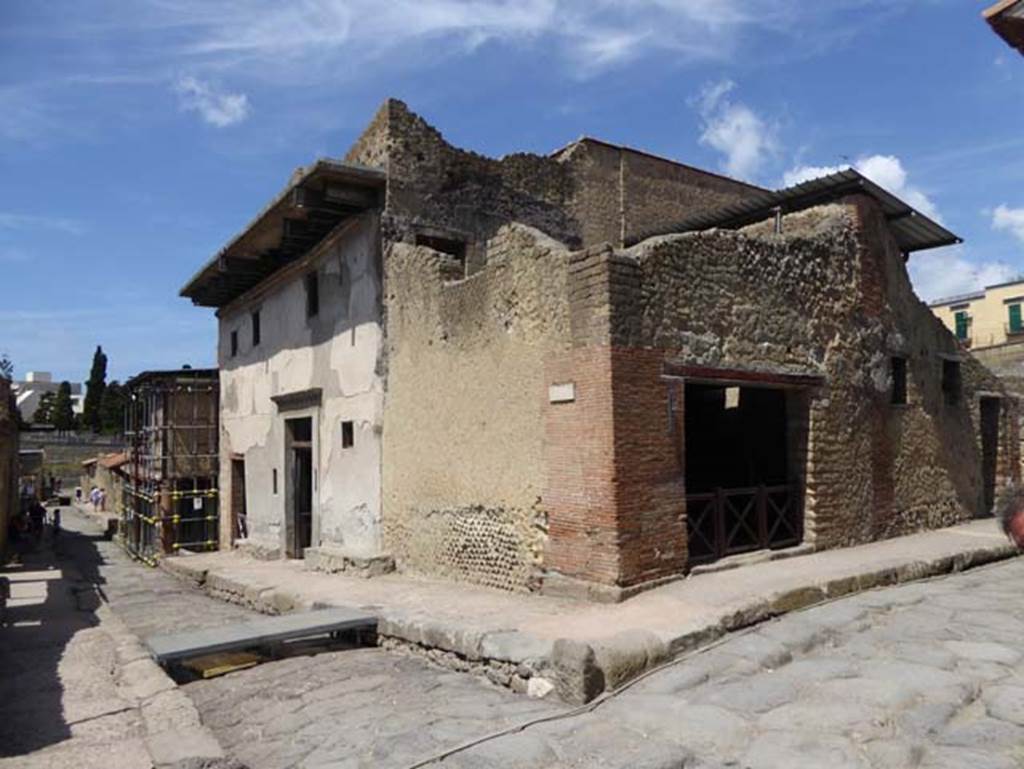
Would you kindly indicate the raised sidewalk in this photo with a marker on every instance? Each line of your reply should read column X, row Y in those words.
column 535, row 643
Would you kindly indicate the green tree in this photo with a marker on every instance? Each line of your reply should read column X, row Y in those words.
column 6, row 368
column 94, row 392
column 44, row 411
column 112, row 408
column 63, row 410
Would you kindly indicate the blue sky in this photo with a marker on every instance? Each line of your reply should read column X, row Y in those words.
column 137, row 137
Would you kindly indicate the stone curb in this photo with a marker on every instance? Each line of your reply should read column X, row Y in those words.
column 175, row 737
column 580, row 670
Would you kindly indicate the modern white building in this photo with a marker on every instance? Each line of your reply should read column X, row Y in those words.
column 29, row 391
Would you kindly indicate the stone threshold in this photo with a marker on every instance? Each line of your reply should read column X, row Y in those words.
column 751, row 558
column 574, row 662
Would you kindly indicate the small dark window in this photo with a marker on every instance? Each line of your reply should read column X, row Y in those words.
column 348, row 437
column 899, row 381
column 312, row 295
column 256, row 328
column 234, row 343
column 951, row 381
column 273, row 476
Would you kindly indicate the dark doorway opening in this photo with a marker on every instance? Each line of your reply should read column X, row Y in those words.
column 299, row 494
column 989, row 451
column 239, row 522
column 741, row 457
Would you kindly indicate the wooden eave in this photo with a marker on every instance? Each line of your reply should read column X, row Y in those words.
column 316, row 201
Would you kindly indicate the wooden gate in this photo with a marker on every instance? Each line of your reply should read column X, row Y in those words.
column 730, row 521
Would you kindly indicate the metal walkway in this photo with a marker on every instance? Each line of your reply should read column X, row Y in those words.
column 261, row 631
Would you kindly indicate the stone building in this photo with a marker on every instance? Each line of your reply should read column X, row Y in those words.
column 585, row 372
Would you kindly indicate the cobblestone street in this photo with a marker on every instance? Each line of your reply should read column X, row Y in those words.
column 923, row 675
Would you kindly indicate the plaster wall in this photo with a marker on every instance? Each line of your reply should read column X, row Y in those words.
column 463, row 450
column 337, row 352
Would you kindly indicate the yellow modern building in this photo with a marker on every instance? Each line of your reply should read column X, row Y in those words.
column 988, row 318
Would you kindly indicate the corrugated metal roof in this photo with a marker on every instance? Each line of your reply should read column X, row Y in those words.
column 1007, row 20
column 913, row 230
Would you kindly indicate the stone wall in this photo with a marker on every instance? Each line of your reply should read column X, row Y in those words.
column 828, row 297
column 8, row 461
column 463, row 445
column 589, row 192
column 490, row 480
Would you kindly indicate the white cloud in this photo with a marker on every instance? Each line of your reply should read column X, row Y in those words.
column 1010, row 220
column 946, row 272
column 23, row 222
column 591, row 34
column 886, row 171
column 735, row 130
column 218, row 109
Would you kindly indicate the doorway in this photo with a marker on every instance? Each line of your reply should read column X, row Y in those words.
column 741, row 493
column 239, row 522
column 299, row 491
column 989, row 415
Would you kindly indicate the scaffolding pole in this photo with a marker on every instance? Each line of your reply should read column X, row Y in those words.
column 170, row 501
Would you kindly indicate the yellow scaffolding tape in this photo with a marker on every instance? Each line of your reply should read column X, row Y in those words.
column 197, row 493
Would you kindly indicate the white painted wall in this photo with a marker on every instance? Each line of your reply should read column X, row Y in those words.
column 338, row 351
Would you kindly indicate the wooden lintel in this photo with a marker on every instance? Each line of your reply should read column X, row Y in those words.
column 741, row 376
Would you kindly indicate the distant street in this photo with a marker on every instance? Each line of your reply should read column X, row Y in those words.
column 925, row 675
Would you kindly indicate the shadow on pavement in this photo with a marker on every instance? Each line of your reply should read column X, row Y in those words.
column 55, row 593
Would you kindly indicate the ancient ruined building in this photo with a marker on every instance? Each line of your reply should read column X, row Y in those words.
column 587, row 372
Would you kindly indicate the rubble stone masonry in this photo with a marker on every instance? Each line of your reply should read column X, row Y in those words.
column 486, row 479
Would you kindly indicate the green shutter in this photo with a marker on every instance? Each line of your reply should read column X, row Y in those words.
column 1015, row 320
column 961, row 324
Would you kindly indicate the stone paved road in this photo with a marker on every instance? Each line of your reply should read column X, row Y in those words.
column 925, row 675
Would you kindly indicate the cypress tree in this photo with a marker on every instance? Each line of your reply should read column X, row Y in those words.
column 112, row 408
column 63, row 412
column 91, row 418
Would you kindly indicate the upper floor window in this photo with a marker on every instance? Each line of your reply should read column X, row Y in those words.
column 899, row 381
column 234, row 343
column 951, row 384
column 255, row 328
column 1014, row 325
column 312, row 295
column 962, row 324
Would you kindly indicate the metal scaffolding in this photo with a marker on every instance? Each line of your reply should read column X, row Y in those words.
column 170, row 500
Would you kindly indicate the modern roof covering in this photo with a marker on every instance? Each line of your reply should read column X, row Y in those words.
column 189, row 374
column 317, row 199
column 957, row 298
column 913, row 230
column 1007, row 19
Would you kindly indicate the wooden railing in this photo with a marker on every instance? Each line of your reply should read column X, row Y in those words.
column 730, row 521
